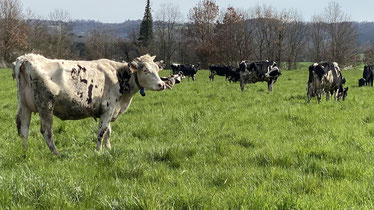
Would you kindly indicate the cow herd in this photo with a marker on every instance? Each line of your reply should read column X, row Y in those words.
column 248, row 72
column 324, row 77
column 73, row 90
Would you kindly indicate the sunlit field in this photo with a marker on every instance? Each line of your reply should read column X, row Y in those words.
column 201, row 145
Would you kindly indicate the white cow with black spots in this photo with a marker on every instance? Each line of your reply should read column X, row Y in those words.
column 73, row 90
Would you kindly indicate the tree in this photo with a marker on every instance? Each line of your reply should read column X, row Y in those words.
column 265, row 34
column 146, row 27
column 200, row 30
column 229, row 37
column 369, row 55
column 342, row 35
column 100, row 44
column 294, row 39
column 37, row 34
column 60, row 39
column 318, row 39
column 13, row 29
column 168, row 31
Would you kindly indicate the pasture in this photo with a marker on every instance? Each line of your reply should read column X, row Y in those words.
column 201, row 145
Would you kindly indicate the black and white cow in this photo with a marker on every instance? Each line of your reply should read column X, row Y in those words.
column 367, row 76
column 259, row 71
column 220, row 70
column 326, row 77
column 188, row 70
column 173, row 79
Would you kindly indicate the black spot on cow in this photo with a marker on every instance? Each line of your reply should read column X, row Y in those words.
column 91, row 80
column 107, row 104
column 83, row 80
column 73, row 71
column 89, row 99
column 18, row 122
column 81, row 68
column 96, row 86
column 102, row 133
column 80, row 94
column 123, row 76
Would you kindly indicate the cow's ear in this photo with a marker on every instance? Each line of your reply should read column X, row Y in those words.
column 134, row 66
column 153, row 58
column 160, row 65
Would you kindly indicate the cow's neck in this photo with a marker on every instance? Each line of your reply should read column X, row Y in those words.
column 135, row 75
column 128, row 82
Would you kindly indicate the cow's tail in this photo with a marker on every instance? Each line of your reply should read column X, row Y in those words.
column 17, row 66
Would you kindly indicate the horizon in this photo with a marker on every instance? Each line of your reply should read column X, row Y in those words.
column 356, row 12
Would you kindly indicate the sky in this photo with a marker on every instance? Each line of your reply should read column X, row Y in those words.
column 117, row 11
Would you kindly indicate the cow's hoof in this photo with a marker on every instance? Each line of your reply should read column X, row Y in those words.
column 55, row 152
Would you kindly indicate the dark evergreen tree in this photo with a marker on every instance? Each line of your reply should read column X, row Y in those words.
column 146, row 28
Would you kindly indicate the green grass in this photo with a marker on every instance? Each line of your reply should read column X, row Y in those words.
column 201, row 145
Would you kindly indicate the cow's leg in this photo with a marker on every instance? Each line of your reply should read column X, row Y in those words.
column 46, row 120
column 23, row 122
column 107, row 137
column 336, row 95
column 242, row 84
column 327, row 95
column 102, row 132
column 270, row 85
column 319, row 96
column 211, row 77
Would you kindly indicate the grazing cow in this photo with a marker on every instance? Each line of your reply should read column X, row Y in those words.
column 188, row 70
column 368, row 75
column 361, row 82
column 171, row 80
column 234, row 75
column 220, row 70
column 326, row 77
column 259, row 71
column 73, row 90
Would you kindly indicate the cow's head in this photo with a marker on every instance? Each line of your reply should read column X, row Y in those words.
column 196, row 67
column 147, row 72
column 243, row 66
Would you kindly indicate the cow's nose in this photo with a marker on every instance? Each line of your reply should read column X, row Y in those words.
column 161, row 86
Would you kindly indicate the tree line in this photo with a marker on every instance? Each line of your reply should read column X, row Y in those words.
column 210, row 35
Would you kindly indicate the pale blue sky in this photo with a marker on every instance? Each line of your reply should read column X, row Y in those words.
column 116, row 11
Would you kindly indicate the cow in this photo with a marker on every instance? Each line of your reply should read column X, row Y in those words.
column 220, row 70
column 361, row 82
column 368, row 75
column 171, row 80
column 73, row 90
column 188, row 70
column 326, row 77
column 234, row 75
column 258, row 71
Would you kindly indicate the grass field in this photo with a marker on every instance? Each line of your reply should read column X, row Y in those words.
column 201, row 145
